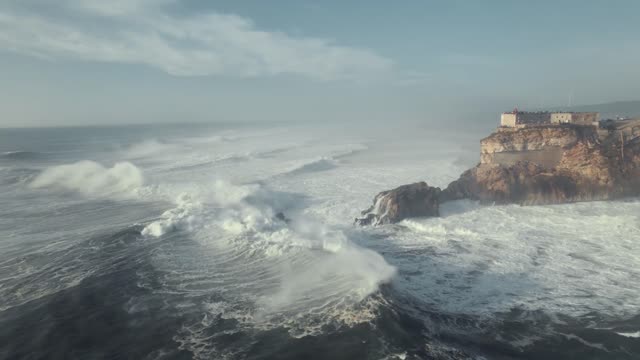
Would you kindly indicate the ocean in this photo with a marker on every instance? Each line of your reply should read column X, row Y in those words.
column 237, row 242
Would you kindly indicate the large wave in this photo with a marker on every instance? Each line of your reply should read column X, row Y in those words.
column 91, row 178
column 314, row 272
column 324, row 163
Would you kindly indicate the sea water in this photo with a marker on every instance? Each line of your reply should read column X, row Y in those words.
column 165, row 242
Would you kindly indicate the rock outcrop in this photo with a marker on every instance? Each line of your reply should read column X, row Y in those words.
column 411, row 200
column 589, row 166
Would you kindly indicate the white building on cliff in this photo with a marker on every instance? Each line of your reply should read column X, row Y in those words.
column 519, row 119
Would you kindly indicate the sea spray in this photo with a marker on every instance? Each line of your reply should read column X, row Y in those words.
column 91, row 178
column 317, row 274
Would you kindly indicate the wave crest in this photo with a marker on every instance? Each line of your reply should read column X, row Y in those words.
column 316, row 274
column 91, row 178
column 20, row 155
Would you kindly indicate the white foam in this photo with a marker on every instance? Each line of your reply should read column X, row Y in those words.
column 634, row 335
column 91, row 178
column 184, row 215
column 570, row 259
column 316, row 274
column 317, row 269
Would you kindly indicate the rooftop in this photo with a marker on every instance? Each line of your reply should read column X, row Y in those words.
column 516, row 111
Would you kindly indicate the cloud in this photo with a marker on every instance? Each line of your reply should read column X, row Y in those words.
column 143, row 32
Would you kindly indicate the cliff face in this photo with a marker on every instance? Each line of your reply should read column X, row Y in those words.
column 543, row 145
column 529, row 166
column 536, row 138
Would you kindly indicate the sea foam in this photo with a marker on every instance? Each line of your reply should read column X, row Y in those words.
column 310, row 265
column 91, row 178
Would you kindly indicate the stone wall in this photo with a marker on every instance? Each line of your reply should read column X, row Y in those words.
column 590, row 118
column 532, row 118
column 561, row 118
column 508, row 120
column 577, row 118
column 522, row 119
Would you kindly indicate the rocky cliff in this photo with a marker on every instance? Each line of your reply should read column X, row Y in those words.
column 539, row 165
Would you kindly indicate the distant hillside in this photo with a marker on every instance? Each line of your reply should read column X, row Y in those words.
column 610, row 110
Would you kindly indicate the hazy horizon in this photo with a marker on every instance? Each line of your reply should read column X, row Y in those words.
column 168, row 61
column 197, row 179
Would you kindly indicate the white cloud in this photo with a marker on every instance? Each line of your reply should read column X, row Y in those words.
column 140, row 32
column 114, row 7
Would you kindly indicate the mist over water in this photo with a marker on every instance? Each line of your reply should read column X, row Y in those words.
column 198, row 242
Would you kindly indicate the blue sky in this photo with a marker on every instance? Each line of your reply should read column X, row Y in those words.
column 84, row 62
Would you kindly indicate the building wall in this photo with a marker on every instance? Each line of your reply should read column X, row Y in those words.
column 530, row 118
column 508, row 120
column 561, row 118
column 524, row 119
column 589, row 118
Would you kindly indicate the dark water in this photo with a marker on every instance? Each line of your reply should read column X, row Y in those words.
column 78, row 280
column 97, row 319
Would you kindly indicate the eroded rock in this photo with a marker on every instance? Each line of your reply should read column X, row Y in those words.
column 589, row 168
column 418, row 199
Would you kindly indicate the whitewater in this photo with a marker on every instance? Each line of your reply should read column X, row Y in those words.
column 237, row 242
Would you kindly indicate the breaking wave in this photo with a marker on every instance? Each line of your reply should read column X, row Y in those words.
column 250, row 267
column 325, row 163
column 294, row 266
column 91, row 178
column 321, row 164
column 630, row 334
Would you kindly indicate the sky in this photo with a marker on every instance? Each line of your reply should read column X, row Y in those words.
column 94, row 62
